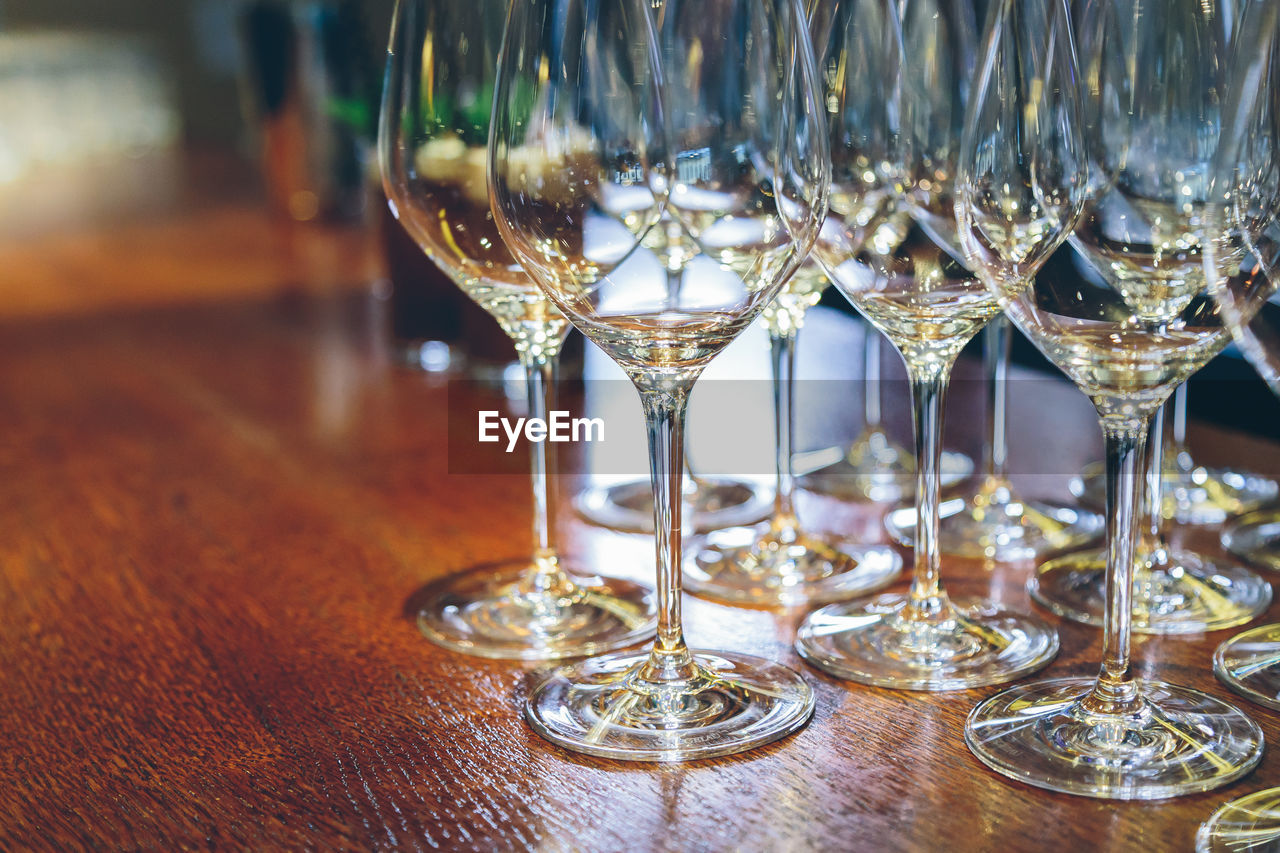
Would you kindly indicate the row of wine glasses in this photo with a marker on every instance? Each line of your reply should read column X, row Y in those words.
column 930, row 193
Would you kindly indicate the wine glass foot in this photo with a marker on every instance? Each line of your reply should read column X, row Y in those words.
column 1249, row 663
column 492, row 611
column 766, row 567
column 873, row 469
column 872, row 643
column 1196, row 495
column 713, row 503
column 730, row 703
column 1185, row 593
column 1251, row 822
column 995, row 525
column 1255, row 537
column 1178, row 741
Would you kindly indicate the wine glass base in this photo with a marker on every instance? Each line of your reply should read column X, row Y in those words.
column 873, row 469
column 1188, row 594
column 1001, row 532
column 757, row 566
column 1251, row 822
column 869, row 642
column 1199, row 496
column 1180, row 741
column 489, row 612
column 732, row 703
column 1249, row 663
column 1255, row 537
column 713, row 504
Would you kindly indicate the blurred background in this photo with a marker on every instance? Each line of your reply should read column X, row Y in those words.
column 197, row 59
column 159, row 151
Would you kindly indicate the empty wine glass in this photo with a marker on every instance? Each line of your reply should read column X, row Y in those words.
column 1177, row 589
column 711, row 503
column 995, row 523
column 895, row 124
column 434, row 125
column 1191, row 493
column 1126, row 342
column 780, row 562
column 733, row 155
column 875, row 467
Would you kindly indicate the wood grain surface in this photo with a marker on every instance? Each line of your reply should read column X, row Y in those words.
column 213, row 518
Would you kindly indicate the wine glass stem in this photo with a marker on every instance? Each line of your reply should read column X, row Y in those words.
column 1154, row 479
column 871, row 378
column 1115, row 691
column 1180, row 451
column 928, row 393
column 782, row 346
column 996, row 341
column 539, row 374
column 665, row 402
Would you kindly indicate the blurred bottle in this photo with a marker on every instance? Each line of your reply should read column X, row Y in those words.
column 312, row 87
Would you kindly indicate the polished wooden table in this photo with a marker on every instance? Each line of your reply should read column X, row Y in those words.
column 215, row 511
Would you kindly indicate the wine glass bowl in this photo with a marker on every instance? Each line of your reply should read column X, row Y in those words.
column 432, row 150
column 705, row 115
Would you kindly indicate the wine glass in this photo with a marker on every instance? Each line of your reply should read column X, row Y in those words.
column 1126, row 343
column 1191, row 493
column 994, row 524
column 1177, row 589
column 929, row 304
column 733, row 156
column 434, row 125
column 779, row 562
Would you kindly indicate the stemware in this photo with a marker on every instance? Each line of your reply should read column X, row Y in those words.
column 995, row 524
column 780, row 562
column 1177, row 589
column 1126, row 343
column 895, row 125
column 724, row 139
column 440, row 77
